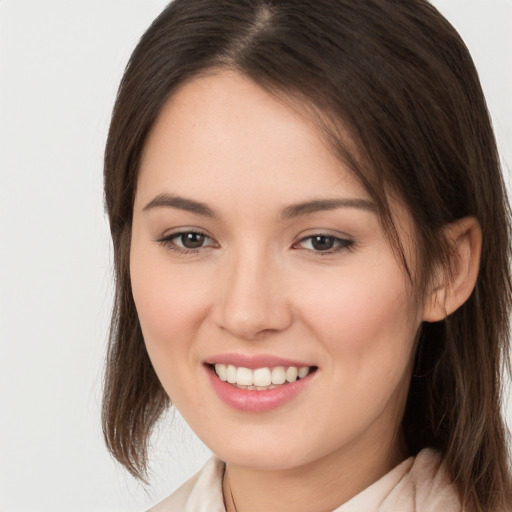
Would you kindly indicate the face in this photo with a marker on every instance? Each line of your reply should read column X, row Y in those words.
column 273, row 308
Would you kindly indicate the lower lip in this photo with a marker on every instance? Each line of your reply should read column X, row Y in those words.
column 256, row 401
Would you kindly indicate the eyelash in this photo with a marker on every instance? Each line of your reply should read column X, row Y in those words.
column 339, row 244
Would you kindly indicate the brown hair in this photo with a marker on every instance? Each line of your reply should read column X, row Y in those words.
column 399, row 78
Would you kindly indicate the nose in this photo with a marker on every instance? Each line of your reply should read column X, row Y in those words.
column 253, row 301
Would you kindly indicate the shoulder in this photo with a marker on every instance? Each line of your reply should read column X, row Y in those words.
column 427, row 486
column 202, row 493
column 419, row 484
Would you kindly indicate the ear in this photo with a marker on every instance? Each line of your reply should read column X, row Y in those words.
column 456, row 284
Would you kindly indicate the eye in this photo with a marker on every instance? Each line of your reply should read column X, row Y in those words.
column 324, row 243
column 190, row 240
column 187, row 241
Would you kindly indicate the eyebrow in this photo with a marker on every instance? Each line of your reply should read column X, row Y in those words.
column 181, row 203
column 320, row 205
column 292, row 211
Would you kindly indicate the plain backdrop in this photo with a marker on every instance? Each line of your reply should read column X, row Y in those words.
column 60, row 64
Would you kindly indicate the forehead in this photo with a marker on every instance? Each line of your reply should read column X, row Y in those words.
column 223, row 130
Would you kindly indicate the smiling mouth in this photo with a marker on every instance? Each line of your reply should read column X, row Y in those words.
column 260, row 379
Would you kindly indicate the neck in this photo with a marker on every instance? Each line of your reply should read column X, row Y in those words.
column 327, row 482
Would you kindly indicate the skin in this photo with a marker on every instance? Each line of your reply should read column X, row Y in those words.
column 257, row 285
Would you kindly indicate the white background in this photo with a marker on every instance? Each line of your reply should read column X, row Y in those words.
column 60, row 64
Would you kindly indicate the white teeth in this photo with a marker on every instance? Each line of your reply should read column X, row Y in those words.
column 292, row 374
column 259, row 379
column 231, row 374
column 303, row 371
column 220, row 369
column 244, row 377
column 278, row 375
column 262, row 377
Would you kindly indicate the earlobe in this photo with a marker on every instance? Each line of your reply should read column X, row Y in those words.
column 458, row 282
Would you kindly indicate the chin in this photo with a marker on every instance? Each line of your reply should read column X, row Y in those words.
column 263, row 454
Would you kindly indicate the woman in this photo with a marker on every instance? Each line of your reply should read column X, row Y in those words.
column 311, row 241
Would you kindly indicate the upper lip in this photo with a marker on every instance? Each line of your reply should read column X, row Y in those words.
column 254, row 361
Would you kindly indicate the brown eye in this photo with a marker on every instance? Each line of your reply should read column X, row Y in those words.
column 191, row 240
column 327, row 244
column 322, row 242
column 187, row 242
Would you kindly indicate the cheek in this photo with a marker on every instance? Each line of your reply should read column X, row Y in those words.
column 367, row 326
column 165, row 309
column 171, row 311
column 171, row 307
column 365, row 320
